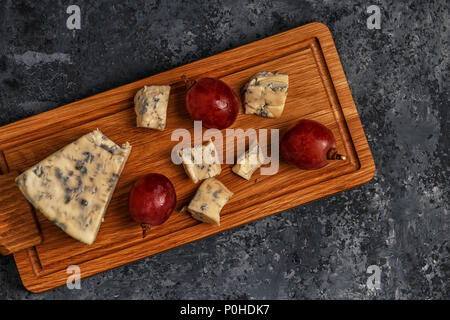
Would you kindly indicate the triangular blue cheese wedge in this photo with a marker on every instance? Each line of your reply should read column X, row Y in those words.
column 73, row 186
column 210, row 198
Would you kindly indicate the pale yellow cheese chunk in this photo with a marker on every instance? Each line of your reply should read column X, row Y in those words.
column 265, row 94
column 209, row 200
column 248, row 162
column 201, row 161
column 150, row 106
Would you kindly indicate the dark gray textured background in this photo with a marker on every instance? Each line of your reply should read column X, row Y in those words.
column 399, row 77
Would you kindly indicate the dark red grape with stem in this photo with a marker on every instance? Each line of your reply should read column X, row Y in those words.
column 152, row 200
column 309, row 145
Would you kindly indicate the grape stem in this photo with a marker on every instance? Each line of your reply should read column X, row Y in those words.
column 145, row 228
column 188, row 82
column 333, row 155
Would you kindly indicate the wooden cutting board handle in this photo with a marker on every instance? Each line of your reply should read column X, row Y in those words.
column 18, row 227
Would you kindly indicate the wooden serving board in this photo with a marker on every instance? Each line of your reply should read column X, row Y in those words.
column 318, row 90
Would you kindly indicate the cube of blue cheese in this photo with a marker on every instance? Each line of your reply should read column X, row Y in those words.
column 248, row 162
column 150, row 106
column 209, row 200
column 201, row 161
column 265, row 94
column 74, row 186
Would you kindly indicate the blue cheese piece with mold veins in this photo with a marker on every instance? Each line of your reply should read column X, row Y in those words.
column 209, row 200
column 201, row 161
column 265, row 94
column 73, row 186
column 248, row 162
column 150, row 105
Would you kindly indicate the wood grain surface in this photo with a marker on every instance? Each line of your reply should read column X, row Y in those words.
column 318, row 90
column 18, row 228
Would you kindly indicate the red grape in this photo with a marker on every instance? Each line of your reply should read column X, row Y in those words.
column 213, row 102
column 309, row 145
column 152, row 199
